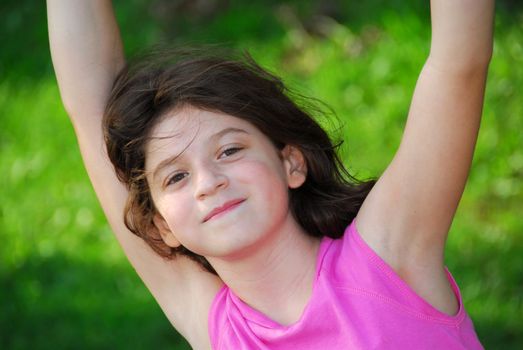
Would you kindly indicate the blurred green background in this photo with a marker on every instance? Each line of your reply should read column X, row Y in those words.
column 64, row 283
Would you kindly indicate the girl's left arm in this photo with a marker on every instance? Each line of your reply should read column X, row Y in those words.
column 407, row 215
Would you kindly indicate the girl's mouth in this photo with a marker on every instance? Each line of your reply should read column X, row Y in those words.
column 226, row 207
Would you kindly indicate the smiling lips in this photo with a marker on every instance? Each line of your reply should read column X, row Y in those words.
column 227, row 206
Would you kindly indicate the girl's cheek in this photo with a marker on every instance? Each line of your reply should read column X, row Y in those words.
column 171, row 209
column 256, row 168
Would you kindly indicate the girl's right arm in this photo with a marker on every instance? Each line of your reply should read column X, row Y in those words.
column 87, row 54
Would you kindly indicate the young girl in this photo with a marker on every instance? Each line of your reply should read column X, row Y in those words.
column 260, row 239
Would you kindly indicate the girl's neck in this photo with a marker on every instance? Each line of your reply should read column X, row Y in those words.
column 277, row 279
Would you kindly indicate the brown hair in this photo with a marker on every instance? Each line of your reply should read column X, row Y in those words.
column 145, row 91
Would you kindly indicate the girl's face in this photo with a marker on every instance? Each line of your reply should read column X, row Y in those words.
column 219, row 184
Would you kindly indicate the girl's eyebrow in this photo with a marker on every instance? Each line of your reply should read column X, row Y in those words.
column 172, row 160
column 222, row 133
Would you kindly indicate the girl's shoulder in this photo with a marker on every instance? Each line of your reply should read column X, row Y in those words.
column 187, row 299
column 423, row 274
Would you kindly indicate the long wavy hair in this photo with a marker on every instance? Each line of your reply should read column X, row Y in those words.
column 145, row 90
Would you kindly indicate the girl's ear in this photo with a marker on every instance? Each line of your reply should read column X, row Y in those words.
column 295, row 166
column 166, row 233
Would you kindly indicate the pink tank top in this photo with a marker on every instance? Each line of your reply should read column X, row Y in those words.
column 358, row 302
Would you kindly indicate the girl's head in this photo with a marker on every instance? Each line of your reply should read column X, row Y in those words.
column 219, row 123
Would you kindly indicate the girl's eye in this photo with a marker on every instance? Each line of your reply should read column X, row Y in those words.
column 230, row 151
column 176, row 178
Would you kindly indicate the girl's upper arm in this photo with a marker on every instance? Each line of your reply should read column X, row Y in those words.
column 87, row 54
column 407, row 215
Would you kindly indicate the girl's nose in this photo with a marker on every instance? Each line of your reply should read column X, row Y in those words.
column 209, row 181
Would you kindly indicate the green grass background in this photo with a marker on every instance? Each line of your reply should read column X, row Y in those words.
column 64, row 283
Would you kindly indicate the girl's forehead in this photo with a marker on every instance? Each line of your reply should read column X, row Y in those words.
column 190, row 122
column 192, row 130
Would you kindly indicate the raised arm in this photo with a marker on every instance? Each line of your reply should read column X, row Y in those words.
column 407, row 215
column 87, row 54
